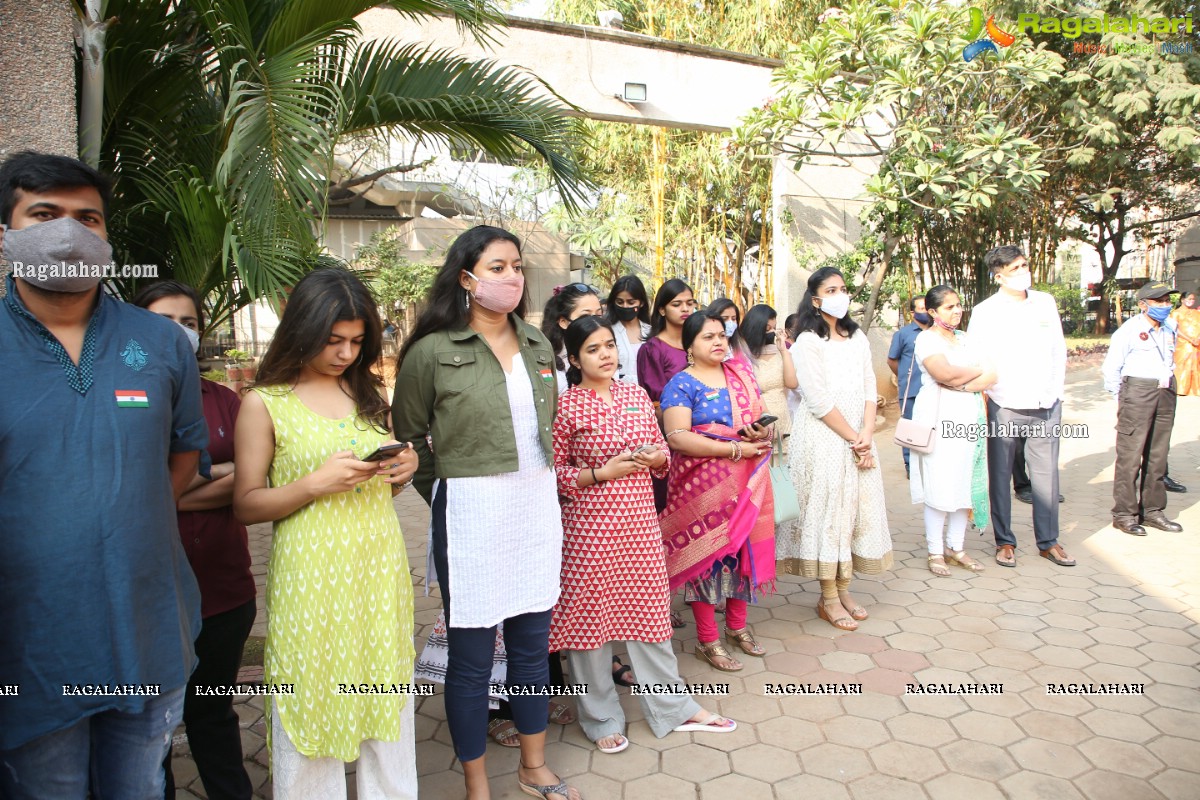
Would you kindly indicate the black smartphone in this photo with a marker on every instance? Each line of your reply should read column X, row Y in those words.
column 765, row 420
column 387, row 451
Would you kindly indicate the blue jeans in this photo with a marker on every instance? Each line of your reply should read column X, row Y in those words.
column 115, row 755
column 469, row 664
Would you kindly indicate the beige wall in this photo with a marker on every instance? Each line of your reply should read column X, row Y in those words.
column 37, row 96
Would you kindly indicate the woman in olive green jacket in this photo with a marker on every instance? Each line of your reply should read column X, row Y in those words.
column 480, row 382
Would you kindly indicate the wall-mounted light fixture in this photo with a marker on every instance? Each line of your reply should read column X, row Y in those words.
column 634, row 93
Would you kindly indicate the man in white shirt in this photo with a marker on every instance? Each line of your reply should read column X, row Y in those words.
column 1019, row 330
column 1139, row 370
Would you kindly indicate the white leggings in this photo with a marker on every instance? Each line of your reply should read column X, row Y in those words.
column 955, row 531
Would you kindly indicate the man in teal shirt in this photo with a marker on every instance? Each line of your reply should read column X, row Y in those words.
column 101, row 425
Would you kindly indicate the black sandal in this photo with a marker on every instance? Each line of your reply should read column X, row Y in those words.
column 619, row 675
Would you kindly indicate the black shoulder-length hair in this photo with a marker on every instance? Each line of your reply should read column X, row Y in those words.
column 808, row 316
column 321, row 299
column 637, row 290
column 446, row 303
column 578, row 332
column 152, row 293
column 693, row 325
column 935, row 296
column 754, row 328
column 561, row 305
column 666, row 293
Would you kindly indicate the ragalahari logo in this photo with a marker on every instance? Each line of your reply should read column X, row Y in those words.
column 994, row 35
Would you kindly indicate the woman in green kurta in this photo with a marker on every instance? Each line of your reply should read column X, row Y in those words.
column 339, row 594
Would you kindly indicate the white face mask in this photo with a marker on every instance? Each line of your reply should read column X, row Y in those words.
column 192, row 336
column 1018, row 282
column 836, row 305
column 730, row 328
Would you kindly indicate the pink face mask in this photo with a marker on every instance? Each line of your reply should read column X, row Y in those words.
column 501, row 295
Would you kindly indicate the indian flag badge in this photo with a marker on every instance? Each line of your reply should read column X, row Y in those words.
column 547, row 375
column 713, row 395
column 131, row 398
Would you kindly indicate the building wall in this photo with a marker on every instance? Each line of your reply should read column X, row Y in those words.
column 37, row 60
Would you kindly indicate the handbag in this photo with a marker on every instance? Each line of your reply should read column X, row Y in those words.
column 916, row 437
column 787, row 504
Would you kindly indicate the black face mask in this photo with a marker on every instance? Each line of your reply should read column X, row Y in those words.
column 627, row 313
column 769, row 337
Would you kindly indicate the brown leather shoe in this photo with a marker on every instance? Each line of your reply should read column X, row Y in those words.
column 1058, row 556
column 1006, row 555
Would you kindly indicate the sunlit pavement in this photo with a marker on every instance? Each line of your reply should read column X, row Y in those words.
column 1129, row 613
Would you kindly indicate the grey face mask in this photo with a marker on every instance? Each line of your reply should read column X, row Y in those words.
column 59, row 256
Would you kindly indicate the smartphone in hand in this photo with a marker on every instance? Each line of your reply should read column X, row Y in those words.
column 387, row 451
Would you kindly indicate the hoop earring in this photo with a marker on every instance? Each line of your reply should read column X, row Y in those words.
column 691, row 362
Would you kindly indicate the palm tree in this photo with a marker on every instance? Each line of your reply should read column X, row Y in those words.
column 221, row 117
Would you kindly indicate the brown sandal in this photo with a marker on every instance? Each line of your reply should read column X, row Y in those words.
column 707, row 652
column 1006, row 555
column 745, row 640
column 841, row 623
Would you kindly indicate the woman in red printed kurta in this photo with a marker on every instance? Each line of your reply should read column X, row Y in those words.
column 614, row 577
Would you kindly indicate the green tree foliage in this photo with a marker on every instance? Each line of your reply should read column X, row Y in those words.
column 396, row 281
column 957, row 144
column 221, row 118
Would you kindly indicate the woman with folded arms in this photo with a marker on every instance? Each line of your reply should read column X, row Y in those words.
column 952, row 480
column 719, row 455
column 480, row 382
column 614, row 578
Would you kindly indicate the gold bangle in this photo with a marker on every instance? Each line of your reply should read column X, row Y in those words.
column 677, row 430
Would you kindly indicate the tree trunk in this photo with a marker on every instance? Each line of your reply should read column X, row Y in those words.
column 890, row 243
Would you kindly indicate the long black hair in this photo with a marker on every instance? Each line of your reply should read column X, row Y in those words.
column 560, row 306
column 578, row 332
column 321, row 299
column 446, row 303
column 637, row 290
column 754, row 328
column 666, row 293
column 809, row 317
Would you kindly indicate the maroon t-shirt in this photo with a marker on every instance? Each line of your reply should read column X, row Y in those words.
column 214, row 540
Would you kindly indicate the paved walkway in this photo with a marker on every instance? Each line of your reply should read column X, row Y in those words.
column 1129, row 613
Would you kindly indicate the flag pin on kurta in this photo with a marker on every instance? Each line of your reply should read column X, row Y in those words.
column 132, row 398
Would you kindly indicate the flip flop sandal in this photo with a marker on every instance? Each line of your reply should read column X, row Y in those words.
column 622, row 743
column 713, row 724
column 560, row 713
column 538, row 790
column 1006, row 555
column 503, row 732
column 619, row 675
column 676, row 620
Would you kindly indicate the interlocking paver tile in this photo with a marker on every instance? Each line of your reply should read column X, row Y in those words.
column 988, row 728
column 1117, row 725
column 841, row 661
column 835, row 761
column 734, row 785
column 790, row 732
column 1043, row 787
column 872, row 705
column 1175, row 784
column 1051, row 758
column 766, row 762
column 1124, row 757
column 875, row 786
column 1061, row 728
column 855, row 732
column 695, row 762
column 667, row 787
column 908, row 761
column 957, row 787
column 811, row 786
column 1104, row 785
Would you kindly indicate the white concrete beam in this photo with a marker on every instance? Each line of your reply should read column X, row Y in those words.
column 688, row 86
